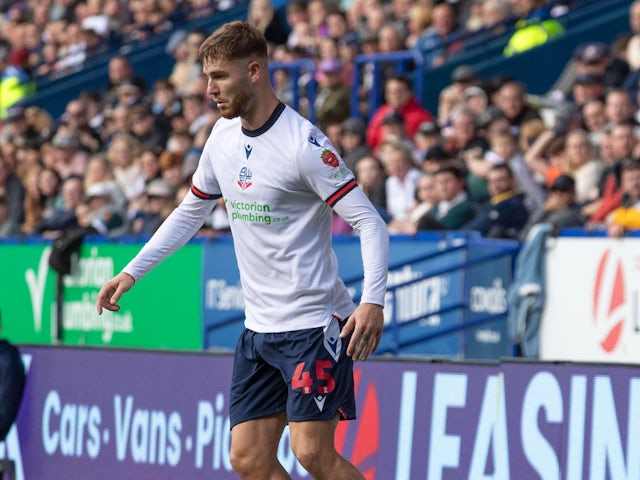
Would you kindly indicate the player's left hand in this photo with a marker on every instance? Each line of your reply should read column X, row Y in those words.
column 366, row 322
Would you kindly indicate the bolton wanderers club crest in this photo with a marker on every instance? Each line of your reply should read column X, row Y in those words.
column 244, row 179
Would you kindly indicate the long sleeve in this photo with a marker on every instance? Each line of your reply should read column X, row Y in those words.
column 358, row 211
column 174, row 232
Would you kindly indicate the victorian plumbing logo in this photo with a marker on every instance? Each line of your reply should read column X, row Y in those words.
column 610, row 301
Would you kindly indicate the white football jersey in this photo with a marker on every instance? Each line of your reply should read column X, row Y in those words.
column 279, row 185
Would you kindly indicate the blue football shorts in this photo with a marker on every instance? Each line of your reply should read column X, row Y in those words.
column 305, row 373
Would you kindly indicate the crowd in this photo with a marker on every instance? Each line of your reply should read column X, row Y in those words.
column 492, row 158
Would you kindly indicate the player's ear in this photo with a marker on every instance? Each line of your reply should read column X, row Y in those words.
column 254, row 70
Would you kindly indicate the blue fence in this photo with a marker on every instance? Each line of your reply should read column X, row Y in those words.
column 446, row 296
column 299, row 82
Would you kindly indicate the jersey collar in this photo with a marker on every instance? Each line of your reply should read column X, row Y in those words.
column 267, row 125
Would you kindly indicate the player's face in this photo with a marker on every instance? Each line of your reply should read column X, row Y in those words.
column 229, row 85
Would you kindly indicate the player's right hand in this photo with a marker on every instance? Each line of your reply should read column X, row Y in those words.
column 111, row 292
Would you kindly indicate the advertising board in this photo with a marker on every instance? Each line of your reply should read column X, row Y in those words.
column 163, row 310
column 110, row 413
column 591, row 311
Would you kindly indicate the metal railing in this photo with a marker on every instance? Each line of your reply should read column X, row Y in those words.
column 392, row 343
column 406, row 62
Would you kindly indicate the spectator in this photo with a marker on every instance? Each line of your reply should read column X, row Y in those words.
column 398, row 12
column 317, row 11
column 402, row 178
column 610, row 192
column 159, row 202
column 8, row 226
column 454, row 207
column 560, row 209
column 475, row 99
column 437, row 44
column 327, row 49
column 100, row 212
column 348, row 50
column 91, row 16
column 338, row 26
column 116, row 122
column 332, row 100
column 187, row 66
column 12, row 189
column 434, row 158
column 33, row 204
column 619, row 107
column 393, row 129
column 72, row 52
column 171, row 167
column 511, row 100
column 263, row 16
column 592, row 58
column 546, row 156
column 505, row 148
column 333, row 131
column 506, row 213
column 399, row 98
column 92, row 103
column 464, row 137
column 419, row 20
column 627, row 216
column 494, row 14
column 370, row 175
column 583, row 166
column 99, row 172
column 68, row 158
column 64, row 218
column 164, row 99
column 633, row 46
column 128, row 94
column 18, row 130
column 128, row 175
column 77, row 121
column 120, row 72
column 427, row 136
column 296, row 14
column 451, row 97
column 49, row 186
column 150, row 165
column 587, row 87
column 390, row 39
column 151, row 131
column 425, row 200
column 352, row 142
column 597, row 58
column 594, row 120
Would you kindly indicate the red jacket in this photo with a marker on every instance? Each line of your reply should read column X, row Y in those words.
column 412, row 113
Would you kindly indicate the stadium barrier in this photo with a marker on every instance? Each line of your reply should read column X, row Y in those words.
column 113, row 413
column 447, row 296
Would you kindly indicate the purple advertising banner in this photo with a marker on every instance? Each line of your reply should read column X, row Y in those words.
column 125, row 414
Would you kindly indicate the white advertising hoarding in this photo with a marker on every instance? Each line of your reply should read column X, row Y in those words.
column 591, row 310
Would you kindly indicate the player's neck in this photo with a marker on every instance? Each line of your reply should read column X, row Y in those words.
column 264, row 105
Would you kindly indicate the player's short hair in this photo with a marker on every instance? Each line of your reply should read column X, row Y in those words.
column 233, row 41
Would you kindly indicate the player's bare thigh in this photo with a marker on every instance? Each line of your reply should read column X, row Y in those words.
column 255, row 442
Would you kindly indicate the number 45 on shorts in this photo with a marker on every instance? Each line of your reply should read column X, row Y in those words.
column 323, row 380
